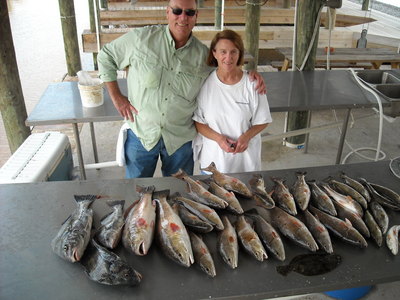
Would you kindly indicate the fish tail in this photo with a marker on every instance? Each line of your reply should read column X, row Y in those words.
column 112, row 203
column 210, row 168
column 180, row 174
column 284, row 270
column 88, row 199
column 145, row 190
column 299, row 173
column 160, row 194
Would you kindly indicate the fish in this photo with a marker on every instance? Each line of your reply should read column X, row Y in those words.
column 357, row 186
column 284, row 199
column 267, row 234
column 348, row 190
column 110, row 232
column 171, row 232
column 228, row 182
column 342, row 229
column 202, row 255
column 227, row 244
column 233, row 203
column 199, row 192
column 260, row 193
column 355, row 219
column 311, row 264
column 373, row 227
column 344, row 200
column 74, row 235
column 321, row 200
column 293, row 228
column 301, row 191
column 380, row 216
column 392, row 239
column 319, row 231
column 389, row 194
column 203, row 211
column 380, row 197
column 138, row 232
column 249, row 239
column 191, row 220
column 106, row 267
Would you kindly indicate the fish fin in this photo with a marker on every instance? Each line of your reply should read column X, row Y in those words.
column 102, row 219
column 348, row 222
column 210, row 168
column 90, row 198
column 66, row 220
column 161, row 194
column 112, row 203
column 284, row 270
column 145, row 190
column 180, row 174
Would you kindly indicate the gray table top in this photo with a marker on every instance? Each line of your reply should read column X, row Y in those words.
column 31, row 215
column 287, row 91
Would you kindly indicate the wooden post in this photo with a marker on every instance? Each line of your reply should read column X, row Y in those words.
column 307, row 14
column 365, row 5
column 12, row 105
column 92, row 20
column 218, row 11
column 71, row 46
column 252, row 31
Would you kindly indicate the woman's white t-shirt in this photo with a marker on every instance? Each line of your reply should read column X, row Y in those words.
column 230, row 110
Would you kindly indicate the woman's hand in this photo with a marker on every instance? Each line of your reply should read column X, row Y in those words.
column 226, row 144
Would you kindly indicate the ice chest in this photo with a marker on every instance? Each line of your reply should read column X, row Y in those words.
column 42, row 157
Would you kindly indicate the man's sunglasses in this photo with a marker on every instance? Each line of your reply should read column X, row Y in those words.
column 188, row 12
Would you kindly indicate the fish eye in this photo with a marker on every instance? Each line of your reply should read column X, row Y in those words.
column 65, row 247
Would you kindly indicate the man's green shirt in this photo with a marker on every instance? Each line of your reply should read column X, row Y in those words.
column 163, row 82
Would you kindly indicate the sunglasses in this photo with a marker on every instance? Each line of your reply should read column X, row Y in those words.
column 188, row 12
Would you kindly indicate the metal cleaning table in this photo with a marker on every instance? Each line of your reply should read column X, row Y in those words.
column 287, row 91
column 31, row 215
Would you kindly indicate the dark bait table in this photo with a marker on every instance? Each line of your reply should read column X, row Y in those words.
column 287, row 91
column 31, row 215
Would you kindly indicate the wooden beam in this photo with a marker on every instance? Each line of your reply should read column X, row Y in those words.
column 232, row 15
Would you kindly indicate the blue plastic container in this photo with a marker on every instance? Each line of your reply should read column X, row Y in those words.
column 350, row 294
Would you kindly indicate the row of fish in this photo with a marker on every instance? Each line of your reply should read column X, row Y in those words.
column 306, row 213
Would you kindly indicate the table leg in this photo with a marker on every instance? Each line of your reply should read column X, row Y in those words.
column 93, row 136
column 79, row 150
column 342, row 137
column 308, row 134
column 285, row 65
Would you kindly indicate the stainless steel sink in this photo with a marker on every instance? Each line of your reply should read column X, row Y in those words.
column 391, row 91
column 387, row 85
column 377, row 77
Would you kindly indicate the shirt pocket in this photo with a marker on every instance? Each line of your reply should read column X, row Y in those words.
column 150, row 73
column 187, row 82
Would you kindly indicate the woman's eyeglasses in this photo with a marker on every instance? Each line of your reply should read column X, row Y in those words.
column 188, row 12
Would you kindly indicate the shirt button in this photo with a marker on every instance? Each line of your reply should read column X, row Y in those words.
column 172, row 69
column 162, row 127
column 169, row 83
column 166, row 99
column 162, row 114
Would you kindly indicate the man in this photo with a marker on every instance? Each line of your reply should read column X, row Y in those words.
column 166, row 70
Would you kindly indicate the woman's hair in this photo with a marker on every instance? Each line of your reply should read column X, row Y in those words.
column 230, row 35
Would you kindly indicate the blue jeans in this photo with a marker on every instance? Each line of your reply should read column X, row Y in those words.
column 142, row 163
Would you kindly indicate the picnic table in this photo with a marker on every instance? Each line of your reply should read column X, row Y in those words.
column 348, row 57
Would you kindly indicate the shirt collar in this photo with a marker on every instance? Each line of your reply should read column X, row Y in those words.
column 171, row 40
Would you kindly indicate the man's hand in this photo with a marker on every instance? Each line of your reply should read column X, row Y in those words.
column 124, row 107
column 121, row 102
column 260, row 84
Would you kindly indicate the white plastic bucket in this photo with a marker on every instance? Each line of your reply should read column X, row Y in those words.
column 92, row 95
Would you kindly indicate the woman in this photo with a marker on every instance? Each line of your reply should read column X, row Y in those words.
column 230, row 113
